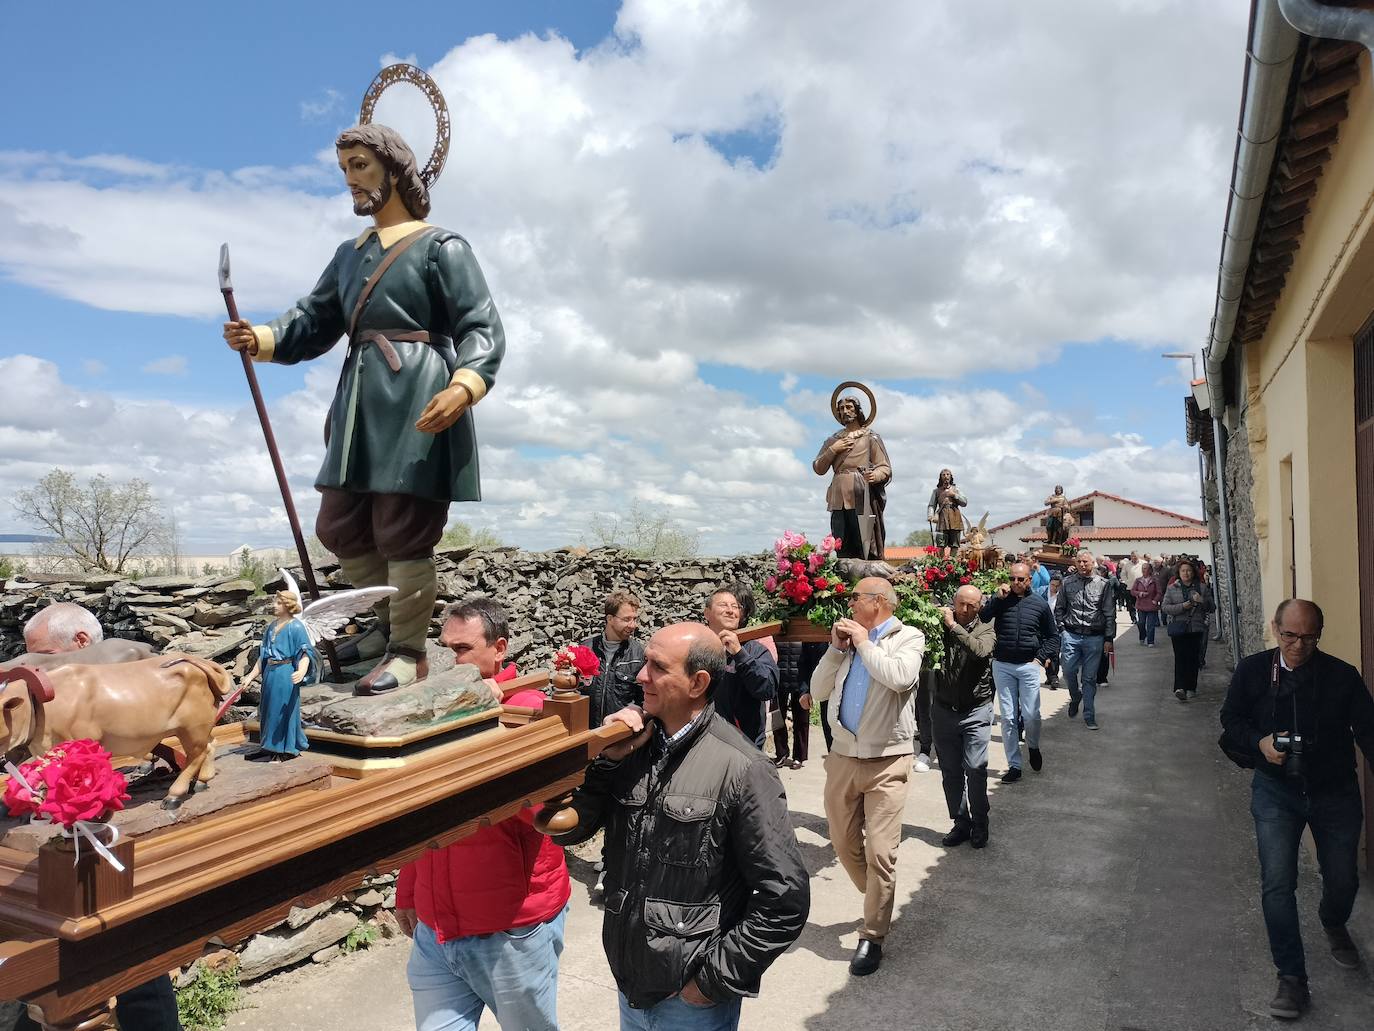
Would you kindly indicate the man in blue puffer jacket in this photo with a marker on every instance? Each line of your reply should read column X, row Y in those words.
column 1027, row 640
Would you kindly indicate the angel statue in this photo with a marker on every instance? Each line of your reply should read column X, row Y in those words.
column 288, row 660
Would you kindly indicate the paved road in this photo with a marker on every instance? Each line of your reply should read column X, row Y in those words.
column 1118, row 894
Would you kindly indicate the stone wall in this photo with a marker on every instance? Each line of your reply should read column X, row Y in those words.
column 553, row 598
column 1244, row 542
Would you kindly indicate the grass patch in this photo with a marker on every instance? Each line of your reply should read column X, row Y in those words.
column 205, row 1003
column 361, row 937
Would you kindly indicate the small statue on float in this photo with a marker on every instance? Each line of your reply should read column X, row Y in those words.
column 942, row 512
column 1057, row 517
column 424, row 347
column 978, row 550
column 860, row 469
column 287, row 660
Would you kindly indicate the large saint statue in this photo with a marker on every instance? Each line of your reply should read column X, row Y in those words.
column 424, row 347
column 860, row 469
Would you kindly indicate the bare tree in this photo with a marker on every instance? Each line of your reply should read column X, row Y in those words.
column 646, row 533
column 101, row 526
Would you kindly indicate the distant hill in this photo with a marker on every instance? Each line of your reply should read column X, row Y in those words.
column 25, row 538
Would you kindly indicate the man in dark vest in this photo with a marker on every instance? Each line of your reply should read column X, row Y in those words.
column 424, row 346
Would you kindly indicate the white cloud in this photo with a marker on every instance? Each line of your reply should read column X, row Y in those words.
column 916, row 221
column 171, row 365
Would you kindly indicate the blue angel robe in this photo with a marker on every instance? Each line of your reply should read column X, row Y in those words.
column 279, row 713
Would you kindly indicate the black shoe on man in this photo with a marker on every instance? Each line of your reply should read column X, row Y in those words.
column 1012, row 775
column 1073, row 709
column 1036, row 759
column 959, row 833
column 978, row 837
column 1343, row 948
column 1291, row 998
column 866, row 958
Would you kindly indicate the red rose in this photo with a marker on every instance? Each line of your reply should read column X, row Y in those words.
column 820, row 583
column 839, row 588
column 798, row 568
column 84, row 787
column 931, row 549
column 965, row 579
column 584, row 660
column 17, row 798
column 949, row 567
column 930, row 576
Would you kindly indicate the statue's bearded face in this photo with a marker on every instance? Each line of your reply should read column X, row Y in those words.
column 848, row 409
column 367, row 179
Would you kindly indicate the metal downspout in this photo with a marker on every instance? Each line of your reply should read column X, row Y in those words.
column 1352, row 24
column 1273, row 44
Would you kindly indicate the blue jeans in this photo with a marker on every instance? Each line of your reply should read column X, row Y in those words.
column 1281, row 809
column 513, row 972
column 675, row 1015
column 1080, row 658
column 1018, row 691
column 1146, row 622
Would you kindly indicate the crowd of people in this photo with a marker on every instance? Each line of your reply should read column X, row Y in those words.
column 701, row 879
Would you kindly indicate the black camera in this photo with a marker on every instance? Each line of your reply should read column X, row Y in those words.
column 1290, row 745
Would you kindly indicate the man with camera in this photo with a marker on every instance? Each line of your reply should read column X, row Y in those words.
column 1295, row 713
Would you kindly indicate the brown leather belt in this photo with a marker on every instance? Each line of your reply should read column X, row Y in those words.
column 382, row 338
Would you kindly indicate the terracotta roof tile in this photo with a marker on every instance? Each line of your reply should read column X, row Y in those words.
column 1130, row 533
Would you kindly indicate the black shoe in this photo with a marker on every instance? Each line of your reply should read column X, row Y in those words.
column 1052, row 683
column 1073, row 709
column 960, row 833
column 1012, row 775
column 1291, row 998
column 1343, row 948
column 866, row 958
column 978, row 837
column 1181, row 695
column 1036, row 759
column 260, row 756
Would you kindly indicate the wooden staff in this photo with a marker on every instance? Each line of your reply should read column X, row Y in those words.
column 226, row 287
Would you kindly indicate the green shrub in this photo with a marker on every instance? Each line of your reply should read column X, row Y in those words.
column 205, row 1003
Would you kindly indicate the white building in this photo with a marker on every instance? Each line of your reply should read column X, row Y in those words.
column 1111, row 526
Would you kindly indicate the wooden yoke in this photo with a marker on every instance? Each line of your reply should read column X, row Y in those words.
column 40, row 687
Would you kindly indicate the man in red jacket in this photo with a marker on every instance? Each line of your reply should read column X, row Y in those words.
column 486, row 913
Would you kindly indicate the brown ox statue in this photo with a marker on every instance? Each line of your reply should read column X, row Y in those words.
column 128, row 707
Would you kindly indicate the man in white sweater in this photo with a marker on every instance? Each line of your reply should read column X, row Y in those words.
column 869, row 674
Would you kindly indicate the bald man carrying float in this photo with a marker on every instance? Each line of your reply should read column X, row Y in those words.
column 869, row 674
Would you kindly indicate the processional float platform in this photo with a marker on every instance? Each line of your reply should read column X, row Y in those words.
column 237, row 871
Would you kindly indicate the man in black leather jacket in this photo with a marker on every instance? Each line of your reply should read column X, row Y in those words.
column 621, row 656
column 705, row 885
column 1322, row 707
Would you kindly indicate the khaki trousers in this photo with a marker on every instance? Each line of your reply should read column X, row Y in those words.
column 864, row 799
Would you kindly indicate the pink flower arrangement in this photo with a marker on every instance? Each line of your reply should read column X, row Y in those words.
column 71, row 782
column 805, row 572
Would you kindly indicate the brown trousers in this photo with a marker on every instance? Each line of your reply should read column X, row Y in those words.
column 864, row 800
column 398, row 527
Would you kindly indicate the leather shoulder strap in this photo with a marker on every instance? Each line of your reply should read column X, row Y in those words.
column 397, row 249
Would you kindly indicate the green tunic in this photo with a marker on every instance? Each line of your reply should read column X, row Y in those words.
column 372, row 445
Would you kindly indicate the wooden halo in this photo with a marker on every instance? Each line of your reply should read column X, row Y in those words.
column 835, row 401
column 390, row 76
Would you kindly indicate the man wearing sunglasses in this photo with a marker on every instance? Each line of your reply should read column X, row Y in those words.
column 1299, row 712
column 1026, row 642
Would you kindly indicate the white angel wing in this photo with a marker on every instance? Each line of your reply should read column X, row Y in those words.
column 292, row 586
column 323, row 618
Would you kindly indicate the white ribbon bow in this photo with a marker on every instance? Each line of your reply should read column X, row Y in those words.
column 81, row 829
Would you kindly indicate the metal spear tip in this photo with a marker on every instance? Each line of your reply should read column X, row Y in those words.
column 225, row 283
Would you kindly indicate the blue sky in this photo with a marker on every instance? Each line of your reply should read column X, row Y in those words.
column 695, row 220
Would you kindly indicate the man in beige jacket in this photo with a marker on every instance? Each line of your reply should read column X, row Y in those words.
column 869, row 674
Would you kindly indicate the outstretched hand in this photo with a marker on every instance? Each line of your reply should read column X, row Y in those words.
column 444, row 409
